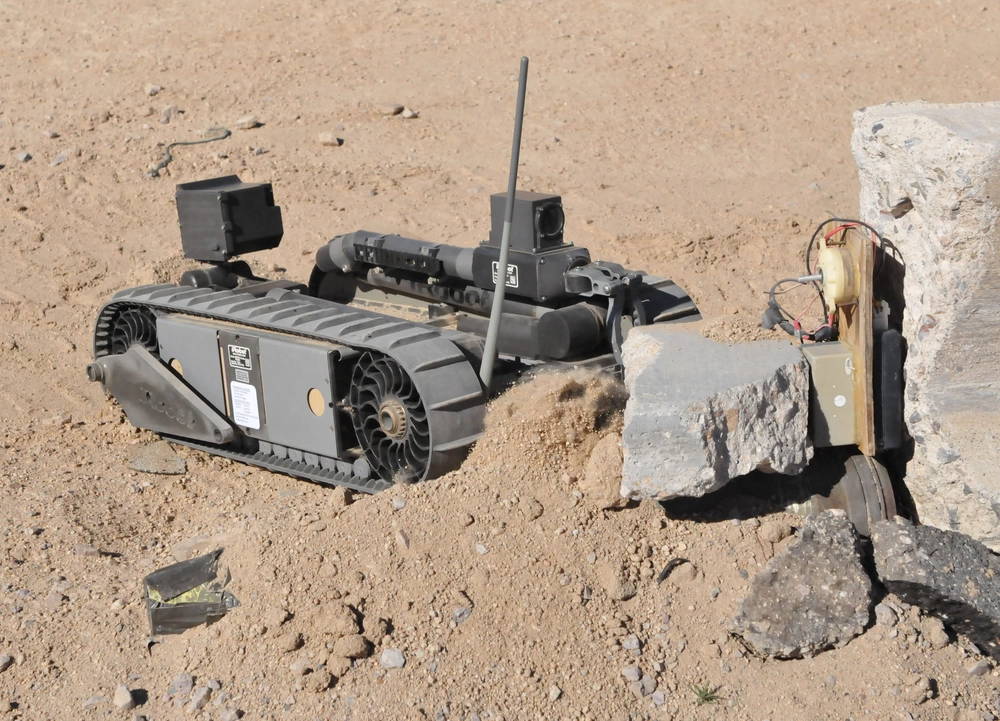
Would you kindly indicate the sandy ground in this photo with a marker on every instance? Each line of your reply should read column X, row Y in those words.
column 696, row 140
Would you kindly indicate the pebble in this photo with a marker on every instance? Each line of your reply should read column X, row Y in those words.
column 632, row 673
column 8, row 661
column 409, row 114
column 631, row 643
column 554, row 693
column 392, row 658
column 352, row 646
column 481, row 549
column 979, row 668
column 181, row 686
column 85, row 549
column 467, row 520
column 123, row 698
column 658, row 698
column 300, row 667
column 168, row 113
column 775, row 531
column 199, row 697
column 23, row 157
column 51, row 134
column 390, row 109
column 93, row 702
column 290, row 642
column 398, row 504
column 330, row 140
column 402, row 540
column 461, row 614
column 229, row 714
column 59, row 159
column 934, row 631
column 885, row 615
column 214, row 684
column 248, row 122
column 152, row 90
column 533, row 509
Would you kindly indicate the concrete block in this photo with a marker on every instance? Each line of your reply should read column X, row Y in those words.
column 930, row 182
column 701, row 413
column 812, row 596
column 945, row 573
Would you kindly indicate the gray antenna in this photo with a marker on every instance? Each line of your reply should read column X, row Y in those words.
column 500, row 286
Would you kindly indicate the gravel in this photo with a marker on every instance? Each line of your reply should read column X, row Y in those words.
column 392, row 658
column 123, row 698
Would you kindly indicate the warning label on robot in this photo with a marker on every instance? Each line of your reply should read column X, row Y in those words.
column 512, row 280
column 244, row 397
column 239, row 357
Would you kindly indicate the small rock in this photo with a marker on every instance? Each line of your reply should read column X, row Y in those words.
column 392, row 658
column 602, row 477
column 318, row 681
column 23, row 157
column 885, row 615
column 339, row 497
column 614, row 583
column 152, row 90
column 85, row 549
column 648, row 684
column 329, row 140
column 979, row 668
column 481, row 549
column 353, row 646
column 290, row 641
column 123, row 698
column 631, row 643
column 533, row 509
column 917, row 690
column 461, row 614
column 775, row 531
column 180, row 687
column 199, row 697
column 168, row 113
column 932, row 629
column 398, row 504
column 229, row 714
column 59, row 159
column 409, row 114
column 402, row 540
column 658, row 698
column 214, row 684
column 340, row 620
column 248, row 122
column 338, row 665
column 6, row 662
column 157, row 457
column 300, row 667
column 467, row 520
column 376, row 629
column 632, row 673
column 274, row 616
column 390, row 109
column 554, row 693
column 93, row 702
column 51, row 134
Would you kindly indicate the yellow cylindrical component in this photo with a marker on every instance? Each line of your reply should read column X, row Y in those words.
column 840, row 278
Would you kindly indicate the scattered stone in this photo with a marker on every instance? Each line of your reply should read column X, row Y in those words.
column 632, row 673
column 152, row 90
column 353, row 646
column 554, row 693
column 214, row 684
column 945, row 573
column 813, row 596
column 275, row 616
column 318, row 681
column 632, row 643
column 291, row 641
column 647, row 684
column 51, row 134
column 885, row 615
column 86, row 549
column 199, row 697
column 481, row 549
column 979, row 668
column 709, row 412
column 123, row 698
column 156, row 457
column 168, row 113
column 6, row 662
column 409, row 114
column 229, row 714
column 300, row 667
column 340, row 620
column 398, row 504
column 917, row 689
column 59, row 159
column 180, row 687
column 467, row 520
column 23, row 157
column 929, row 175
column 402, row 540
column 602, row 478
column 390, row 109
column 533, row 509
column 658, row 698
column 376, row 629
column 340, row 497
column 93, row 702
column 330, row 140
column 392, row 658
column 338, row 665
column 248, row 122
column 932, row 629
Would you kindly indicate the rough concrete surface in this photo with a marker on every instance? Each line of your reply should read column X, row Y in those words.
column 813, row 596
column 946, row 573
column 930, row 182
column 701, row 412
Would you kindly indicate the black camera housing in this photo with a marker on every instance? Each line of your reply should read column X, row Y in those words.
column 537, row 225
column 223, row 217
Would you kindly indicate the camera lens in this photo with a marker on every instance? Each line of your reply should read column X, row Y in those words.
column 549, row 220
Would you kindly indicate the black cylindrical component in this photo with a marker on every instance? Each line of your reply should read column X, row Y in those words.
column 571, row 331
column 890, row 350
column 356, row 252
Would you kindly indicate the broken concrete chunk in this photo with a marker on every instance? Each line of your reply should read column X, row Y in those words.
column 930, row 182
column 701, row 412
column 813, row 596
column 946, row 573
